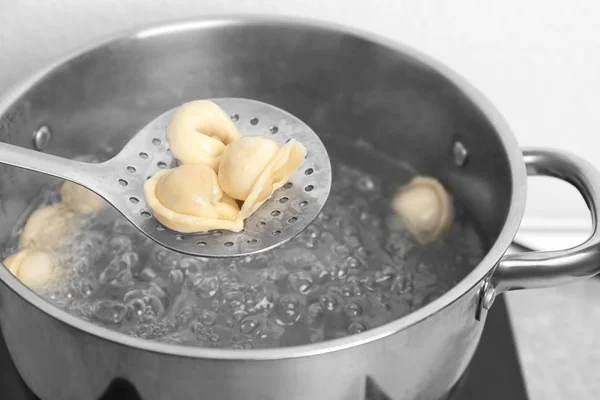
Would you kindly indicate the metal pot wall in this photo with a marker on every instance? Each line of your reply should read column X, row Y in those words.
column 343, row 84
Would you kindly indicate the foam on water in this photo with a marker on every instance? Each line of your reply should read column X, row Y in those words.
column 353, row 269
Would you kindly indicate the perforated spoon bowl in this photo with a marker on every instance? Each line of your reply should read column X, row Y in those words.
column 120, row 181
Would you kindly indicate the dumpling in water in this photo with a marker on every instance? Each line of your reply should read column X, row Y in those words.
column 198, row 133
column 189, row 199
column 79, row 199
column 425, row 207
column 33, row 267
column 49, row 227
column 253, row 167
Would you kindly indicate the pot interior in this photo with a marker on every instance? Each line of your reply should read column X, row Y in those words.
column 377, row 109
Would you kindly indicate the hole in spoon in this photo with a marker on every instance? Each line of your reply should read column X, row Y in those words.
column 134, row 200
column 123, row 182
column 156, row 141
column 146, row 214
column 131, row 169
column 254, row 121
column 143, row 155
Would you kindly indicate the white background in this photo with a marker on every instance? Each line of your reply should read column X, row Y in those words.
column 538, row 61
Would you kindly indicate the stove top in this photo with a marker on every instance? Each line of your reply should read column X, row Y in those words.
column 494, row 372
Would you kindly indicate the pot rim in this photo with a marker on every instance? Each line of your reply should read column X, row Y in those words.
column 509, row 230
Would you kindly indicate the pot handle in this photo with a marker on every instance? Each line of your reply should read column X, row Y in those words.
column 549, row 268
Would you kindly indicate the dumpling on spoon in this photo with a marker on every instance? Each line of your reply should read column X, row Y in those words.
column 253, row 167
column 189, row 199
column 425, row 207
column 198, row 133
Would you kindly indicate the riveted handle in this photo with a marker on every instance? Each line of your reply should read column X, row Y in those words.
column 549, row 268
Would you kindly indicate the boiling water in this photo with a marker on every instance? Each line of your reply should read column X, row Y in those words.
column 353, row 269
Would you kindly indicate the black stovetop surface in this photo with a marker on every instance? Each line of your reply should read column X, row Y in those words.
column 494, row 373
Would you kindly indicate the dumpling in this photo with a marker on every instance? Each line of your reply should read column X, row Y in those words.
column 79, row 199
column 49, row 227
column 425, row 207
column 189, row 199
column 33, row 267
column 198, row 133
column 253, row 167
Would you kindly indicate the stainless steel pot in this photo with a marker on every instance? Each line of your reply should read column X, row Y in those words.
column 341, row 83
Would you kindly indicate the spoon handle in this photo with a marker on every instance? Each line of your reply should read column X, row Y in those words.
column 44, row 163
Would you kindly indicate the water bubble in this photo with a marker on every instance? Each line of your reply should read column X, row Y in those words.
column 341, row 250
column 312, row 232
column 176, row 277
column 184, row 316
column 288, row 310
column 273, row 273
column 402, row 284
column 130, row 258
column 109, row 311
column 352, row 310
column 119, row 244
column 384, row 277
column 207, row 318
column 352, row 262
column 340, row 271
column 117, row 274
column 205, row 287
column 168, row 262
column 192, row 265
column 369, row 283
column 300, row 281
column 239, row 315
column 148, row 274
column 356, row 327
column 352, row 241
column 154, row 290
column 161, row 255
column 365, row 184
column 234, row 298
column 328, row 302
column 248, row 325
column 155, row 303
column 197, row 328
column 136, row 308
column 315, row 311
column 87, row 286
column 363, row 252
column 346, row 291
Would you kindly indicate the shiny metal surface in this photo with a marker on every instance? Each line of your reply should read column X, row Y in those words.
column 345, row 85
column 120, row 181
column 549, row 268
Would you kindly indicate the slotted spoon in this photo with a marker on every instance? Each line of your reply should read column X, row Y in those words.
column 120, row 181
